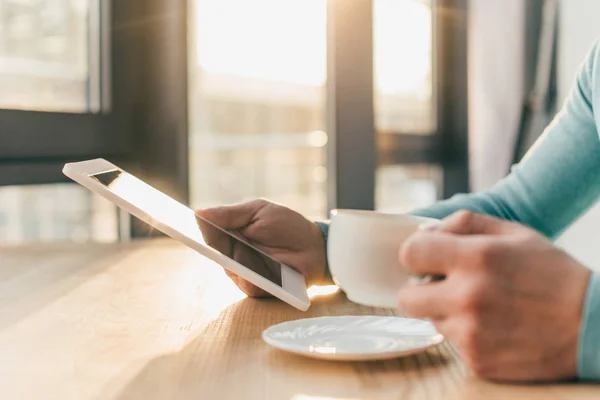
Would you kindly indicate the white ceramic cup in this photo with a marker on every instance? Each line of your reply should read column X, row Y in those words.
column 363, row 249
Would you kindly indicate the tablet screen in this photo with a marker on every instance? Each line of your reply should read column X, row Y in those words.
column 168, row 211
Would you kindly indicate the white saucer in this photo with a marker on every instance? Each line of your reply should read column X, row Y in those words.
column 353, row 338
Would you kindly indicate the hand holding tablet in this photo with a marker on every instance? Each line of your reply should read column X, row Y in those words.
column 181, row 223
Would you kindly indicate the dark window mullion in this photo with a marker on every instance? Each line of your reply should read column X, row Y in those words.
column 350, row 108
column 406, row 148
column 36, row 134
column 451, row 24
column 448, row 145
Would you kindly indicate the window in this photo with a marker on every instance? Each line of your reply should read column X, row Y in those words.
column 405, row 102
column 420, row 101
column 53, row 109
column 257, row 109
column 45, row 55
column 257, row 103
column 55, row 78
column 403, row 188
column 57, row 212
column 311, row 103
column 87, row 79
column 403, row 57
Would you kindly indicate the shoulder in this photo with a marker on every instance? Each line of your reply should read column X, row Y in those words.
column 589, row 73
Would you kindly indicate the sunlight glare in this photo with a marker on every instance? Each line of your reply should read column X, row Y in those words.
column 273, row 40
column 318, row 291
column 307, row 397
column 318, row 139
column 160, row 207
column 286, row 41
column 402, row 46
column 322, row 349
column 223, row 295
column 216, row 297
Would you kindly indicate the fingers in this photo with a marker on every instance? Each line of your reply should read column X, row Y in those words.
column 216, row 238
column 430, row 253
column 428, row 301
column 248, row 288
column 257, row 262
column 469, row 223
column 232, row 217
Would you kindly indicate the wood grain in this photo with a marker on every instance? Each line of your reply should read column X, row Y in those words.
column 154, row 320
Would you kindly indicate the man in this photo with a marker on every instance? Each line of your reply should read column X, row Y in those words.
column 517, row 307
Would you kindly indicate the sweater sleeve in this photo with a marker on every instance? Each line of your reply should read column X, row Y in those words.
column 558, row 179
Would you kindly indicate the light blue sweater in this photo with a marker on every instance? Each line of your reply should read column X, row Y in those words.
column 556, row 183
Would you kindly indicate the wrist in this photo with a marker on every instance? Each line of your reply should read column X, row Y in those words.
column 588, row 356
column 323, row 232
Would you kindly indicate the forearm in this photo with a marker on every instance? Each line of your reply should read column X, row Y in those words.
column 481, row 203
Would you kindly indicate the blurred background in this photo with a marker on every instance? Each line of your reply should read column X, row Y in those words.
column 375, row 104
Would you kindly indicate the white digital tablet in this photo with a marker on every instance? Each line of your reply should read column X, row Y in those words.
column 180, row 222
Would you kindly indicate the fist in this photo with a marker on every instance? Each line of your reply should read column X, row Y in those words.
column 511, row 302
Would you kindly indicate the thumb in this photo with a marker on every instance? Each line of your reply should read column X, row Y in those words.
column 470, row 223
column 235, row 216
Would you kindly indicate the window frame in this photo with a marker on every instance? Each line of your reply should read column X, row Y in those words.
column 356, row 148
column 142, row 124
column 35, row 144
column 145, row 129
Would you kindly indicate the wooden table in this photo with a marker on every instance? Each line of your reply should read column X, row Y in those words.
column 154, row 320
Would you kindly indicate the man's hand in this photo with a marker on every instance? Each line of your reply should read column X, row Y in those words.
column 511, row 301
column 278, row 231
